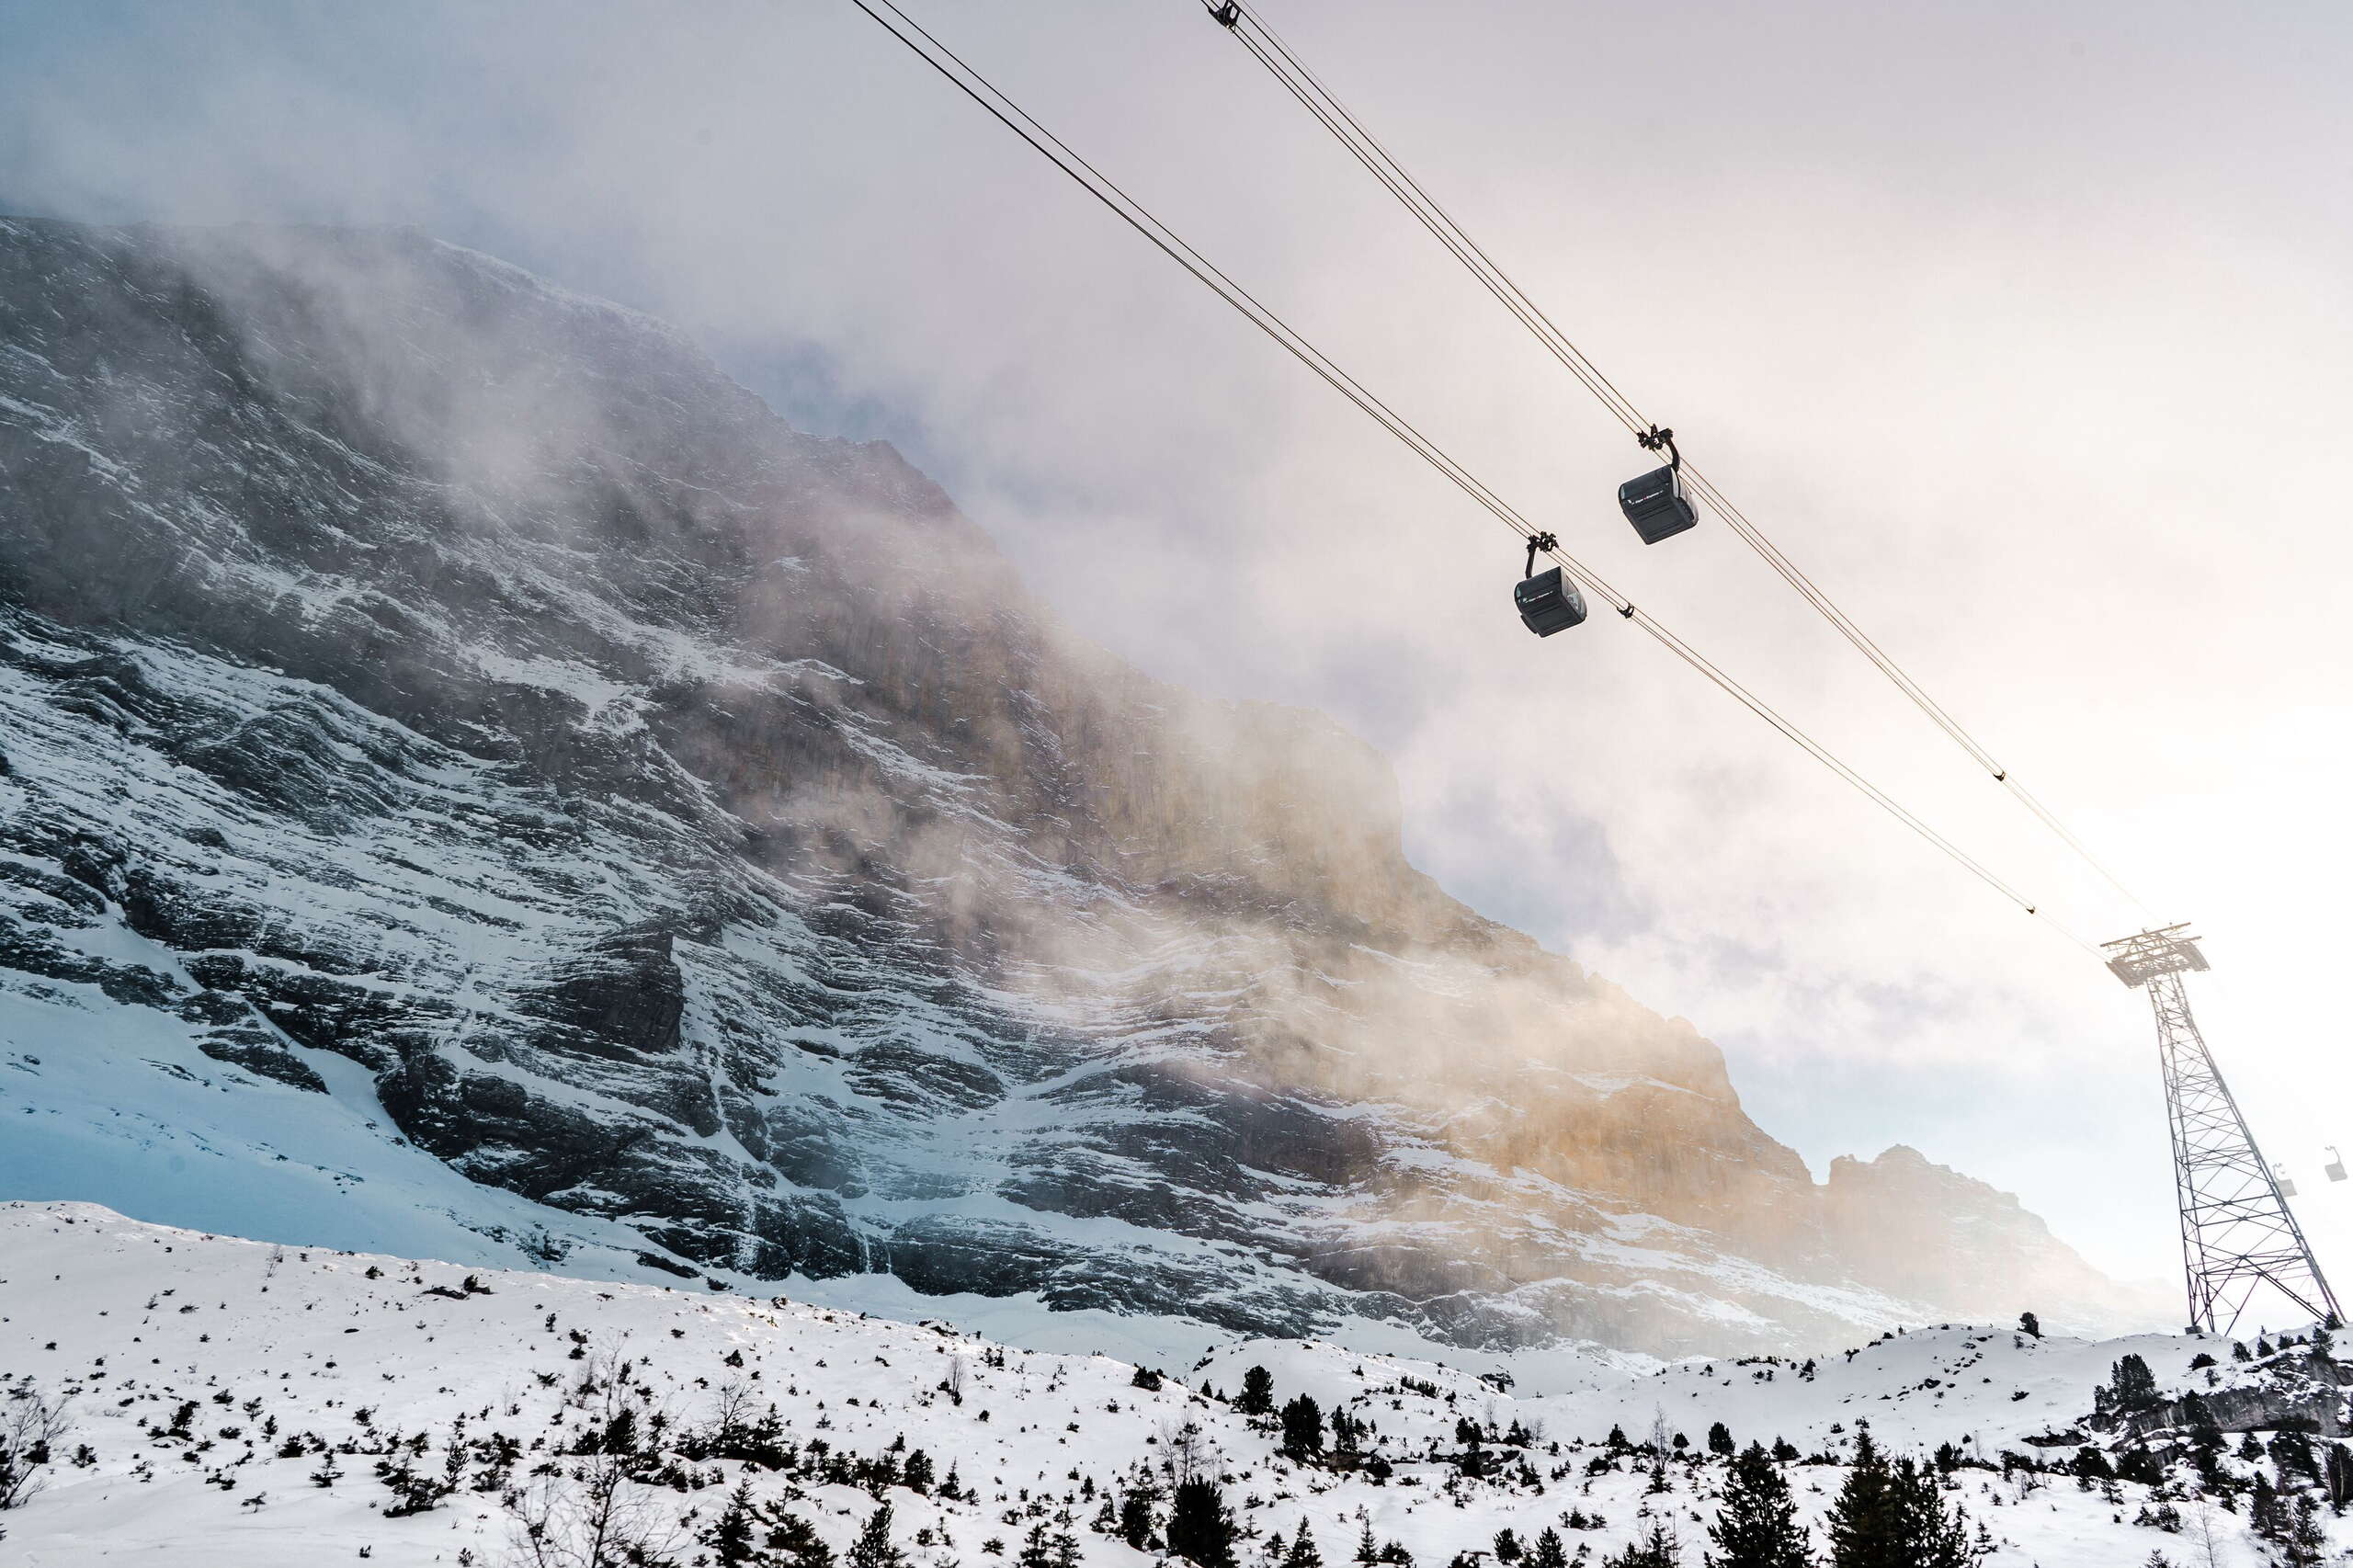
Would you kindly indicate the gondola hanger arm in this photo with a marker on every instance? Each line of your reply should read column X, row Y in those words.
column 1654, row 438
column 1539, row 544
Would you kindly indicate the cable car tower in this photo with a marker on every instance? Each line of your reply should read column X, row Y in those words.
column 2236, row 1232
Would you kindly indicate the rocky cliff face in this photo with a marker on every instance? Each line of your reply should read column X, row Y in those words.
column 435, row 701
column 1935, row 1235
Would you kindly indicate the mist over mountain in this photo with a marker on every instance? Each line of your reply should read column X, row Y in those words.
column 477, row 782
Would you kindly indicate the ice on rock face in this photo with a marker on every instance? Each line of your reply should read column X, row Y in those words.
column 476, row 782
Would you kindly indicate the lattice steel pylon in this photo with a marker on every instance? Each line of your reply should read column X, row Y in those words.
column 2237, row 1234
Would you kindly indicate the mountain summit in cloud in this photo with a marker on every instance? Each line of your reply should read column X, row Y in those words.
column 476, row 782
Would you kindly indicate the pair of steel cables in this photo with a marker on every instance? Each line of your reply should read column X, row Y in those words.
column 1268, row 49
column 1271, row 51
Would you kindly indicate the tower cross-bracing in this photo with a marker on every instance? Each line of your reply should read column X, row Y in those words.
column 2236, row 1232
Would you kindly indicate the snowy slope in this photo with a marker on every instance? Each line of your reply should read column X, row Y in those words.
column 335, row 1350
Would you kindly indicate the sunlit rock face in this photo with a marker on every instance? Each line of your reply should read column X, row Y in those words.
column 1933, row 1233
column 428, row 690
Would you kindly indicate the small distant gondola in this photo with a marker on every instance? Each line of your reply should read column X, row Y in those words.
column 1547, row 601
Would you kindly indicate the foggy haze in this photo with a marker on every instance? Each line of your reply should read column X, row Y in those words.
column 2025, row 331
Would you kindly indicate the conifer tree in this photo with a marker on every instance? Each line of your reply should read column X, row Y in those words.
column 2292, row 1452
column 1258, row 1395
column 1862, row 1522
column 2304, row 1543
column 872, row 1548
column 730, row 1538
column 1548, row 1553
column 2264, row 1514
column 1303, row 1553
column 2131, row 1383
column 1200, row 1527
column 1719, row 1439
column 797, row 1542
column 1757, row 1525
column 1928, row 1533
column 1037, row 1550
column 1135, row 1517
column 1302, row 1428
column 1367, row 1549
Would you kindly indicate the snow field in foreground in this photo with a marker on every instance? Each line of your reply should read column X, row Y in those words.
column 136, row 1321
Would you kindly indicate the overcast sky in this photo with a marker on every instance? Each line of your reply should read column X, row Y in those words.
column 2025, row 329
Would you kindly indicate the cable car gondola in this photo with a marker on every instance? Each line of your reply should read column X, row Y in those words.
column 1547, row 601
column 2287, row 1183
column 1655, row 503
column 2336, row 1166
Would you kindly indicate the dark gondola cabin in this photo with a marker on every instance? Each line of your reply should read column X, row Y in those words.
column 1656, row 506
column 1548, row 602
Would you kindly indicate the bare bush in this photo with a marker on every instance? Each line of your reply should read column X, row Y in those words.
column 1187, row 1453
column 735, row 1407
column 592, row 1516
column 31, row 1428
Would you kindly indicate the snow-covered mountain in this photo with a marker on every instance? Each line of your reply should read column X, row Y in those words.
column 474, row 783
column 249, row 1405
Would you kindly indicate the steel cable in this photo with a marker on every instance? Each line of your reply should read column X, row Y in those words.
column 973, row 84
column 1268, row 49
